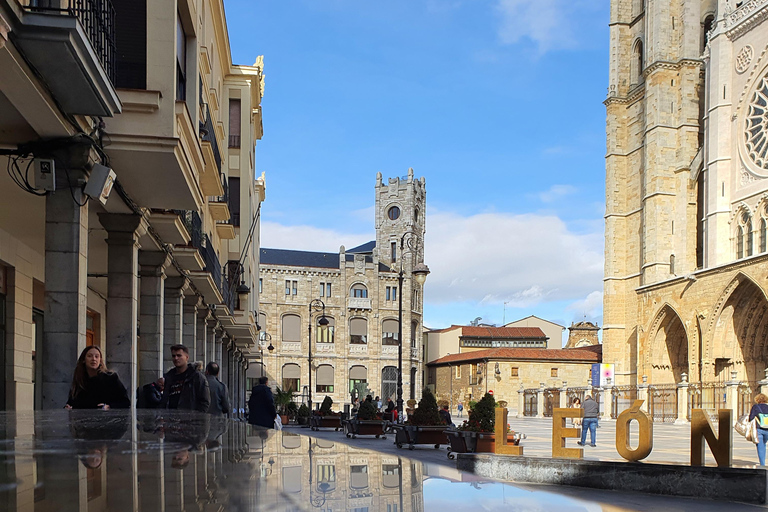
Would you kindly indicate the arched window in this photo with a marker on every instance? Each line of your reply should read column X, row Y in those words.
column 414, row 329
column 359, row 290
column 763, row 235
column 750, row 237
column 744, row 236
column 324, row 334
column 706, row 27
column 637, row 63
column 358, row 331
column 740, row 243
column 291, row 377
column 291, row 327
column 672, row 264
column 324, row 379
column 389, row 332
column 389, row 383
column 357, row 375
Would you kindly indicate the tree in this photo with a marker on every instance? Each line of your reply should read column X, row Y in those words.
column 426, row 413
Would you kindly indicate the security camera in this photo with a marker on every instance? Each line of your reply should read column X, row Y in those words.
column 100, row 183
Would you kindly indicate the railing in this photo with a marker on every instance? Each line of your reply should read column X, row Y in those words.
column 208, row 134
column 662, row 403
column 530, row 402
column 551, row 401
column 622, row 398
column 224, row 198
column 234, row 141
column 97, row 18
column 708, row 395
column 746, row 394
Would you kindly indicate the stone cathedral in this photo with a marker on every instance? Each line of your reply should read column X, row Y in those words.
column 686, row 224
column 359, row 288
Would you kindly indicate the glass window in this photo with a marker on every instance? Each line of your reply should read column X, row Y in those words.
column 393, row 247
column 327, row 289
column 358, row 477
column 291, row 377
column 360, row 291
column 393, row 213
column 234, row 123
column 287, row 287
column 322, row 289
column 763, row 233
column 750, row 238
column 389, row 332
column 553, row 372
column 358, row 331
column 740, row 243
column 181, row 61
column 325, row 334
column 295, row 287
column 324, row 379
column 515, row 372
column 291, row 327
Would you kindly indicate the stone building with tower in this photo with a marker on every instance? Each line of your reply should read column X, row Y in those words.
column 686, row 223
column 359, row 288
column 582, row 334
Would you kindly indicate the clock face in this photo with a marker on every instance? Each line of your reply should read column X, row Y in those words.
column 756, row 126
column 393, row 213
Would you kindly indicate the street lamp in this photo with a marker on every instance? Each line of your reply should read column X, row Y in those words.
column 264, row 338
column 419, row 274
column 314, row 306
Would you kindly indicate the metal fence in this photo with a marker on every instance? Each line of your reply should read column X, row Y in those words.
column 551, row 401
column 709, row 396
column 622, row 398
column 662, row 403
column 747, row 391
column 530, row 402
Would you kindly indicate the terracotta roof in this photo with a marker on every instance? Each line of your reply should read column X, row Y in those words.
column 495, row 332
column 594, row 355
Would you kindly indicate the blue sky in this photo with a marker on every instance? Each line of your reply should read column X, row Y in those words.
column 497, row 103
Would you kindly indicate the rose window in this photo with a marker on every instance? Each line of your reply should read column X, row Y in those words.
column 756, row 129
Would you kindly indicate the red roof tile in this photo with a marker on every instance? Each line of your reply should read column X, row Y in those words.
column 594, row 355
column 502, row 332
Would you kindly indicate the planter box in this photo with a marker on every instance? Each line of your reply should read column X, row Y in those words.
column 354, row 428
column 302, row 420
column 461, row 442
column 318, row 422
column 413, row 435
column 486, row 441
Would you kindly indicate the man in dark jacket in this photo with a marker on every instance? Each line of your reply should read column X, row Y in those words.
column 185, row 387
column 219, row 396
column 150, row 395
column 261, row 405
column 590, row 421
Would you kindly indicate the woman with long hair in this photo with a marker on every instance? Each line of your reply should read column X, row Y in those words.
column 759, row 412
column 94, row 386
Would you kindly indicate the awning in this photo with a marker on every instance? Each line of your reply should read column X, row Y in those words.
column 358, row 327
column 325, row 375
column 390, row 326
column 291, row 371
column 291, row 325
column 358, row 373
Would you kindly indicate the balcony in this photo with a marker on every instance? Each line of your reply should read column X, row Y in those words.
column 225, row 230
column 71, row 44
column 219, row 205
column 210, row 180
column 358, row 303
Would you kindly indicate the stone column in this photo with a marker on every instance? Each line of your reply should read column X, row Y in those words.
column 189, row 335
column 152, row 265
column 764, row 383
column 218, row 346
column 173, row 330
column 607, row 403
column 123, row 231
column 564, row 395
column 202, row 335
column 732, row 393
column 682, row 400
column 66, row 288
column 540, row 401
column 237, row 378
column 210, row 340
column 642, row 393
column 521, row 402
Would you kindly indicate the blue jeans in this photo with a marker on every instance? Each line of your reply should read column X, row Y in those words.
column 591, row 424
column 762, row 438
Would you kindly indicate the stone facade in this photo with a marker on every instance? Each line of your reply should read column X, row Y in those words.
column 553, row 331
column 582, row 334
column 359, row 289
column 686, row 202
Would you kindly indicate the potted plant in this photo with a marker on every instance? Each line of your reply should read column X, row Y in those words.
column 291, row 408
column 424, row 426
column 410, row 406
column 482, row 421
column 282, row 399
column 367, row 423
column 302, row 415
column 325, row 417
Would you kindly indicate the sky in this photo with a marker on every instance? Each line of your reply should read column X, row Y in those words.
column 496, row 103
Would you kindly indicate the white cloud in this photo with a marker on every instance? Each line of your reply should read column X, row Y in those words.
column 525, row 259
column 309, row 238
column 550, row 24
column 556, row 192
column 590, row 307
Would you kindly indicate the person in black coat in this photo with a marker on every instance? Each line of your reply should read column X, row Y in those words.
column 94, row 386
column 261, row 405
column 219, row 396
column 149, row 395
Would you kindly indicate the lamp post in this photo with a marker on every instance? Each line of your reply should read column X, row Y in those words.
column 264, row 338
column 314, row 306
column 419, row 273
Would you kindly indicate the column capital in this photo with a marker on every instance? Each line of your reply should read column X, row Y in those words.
column 176, row 285
column 123, row 223
column 193, row 300
column 153, row 263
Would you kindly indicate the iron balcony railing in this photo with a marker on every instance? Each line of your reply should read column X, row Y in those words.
column 207, row 134
column 97, row 18
column 199, row 240
column 224, row 198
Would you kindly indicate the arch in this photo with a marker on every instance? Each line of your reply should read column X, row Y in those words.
column 389, row 383
column 637, row 63
column 737, row 335
column 744, row 235
column 414, row 329
column 291, row 377
column 706, row 26
column 325, row 334
column 389, row 332
column 358, row 331
column 324, row 381
column 290, row 327
column 668, row 354
column 358, row 290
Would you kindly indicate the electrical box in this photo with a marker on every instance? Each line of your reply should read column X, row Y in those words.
column 45, row 174
column 100, row 183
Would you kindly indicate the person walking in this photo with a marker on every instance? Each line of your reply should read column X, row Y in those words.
column 378, row 404
column 759, row 411
column 185, row 387
column 261, row 405
column 576, row 404
column 94, row 386
column 149, row 395
column 461, row 408
column 589, row 422
column 219, row 396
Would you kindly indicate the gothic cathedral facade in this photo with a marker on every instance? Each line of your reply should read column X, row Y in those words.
column 359, row 288
column 686, row 266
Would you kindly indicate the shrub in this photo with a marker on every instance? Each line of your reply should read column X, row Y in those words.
column 482, row 417
column 426, row 413
column 325, row 408
column 367, row 411
column 303, row 411
column 472, row 404
column 291, row 408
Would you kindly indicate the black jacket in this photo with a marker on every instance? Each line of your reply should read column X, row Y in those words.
column 261, row 407
column 219, row 396
column 194, row 392
column 104, row 388
column 148, row 396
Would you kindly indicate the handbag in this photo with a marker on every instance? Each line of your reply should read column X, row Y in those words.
column 741, row 425
column 751, row 434
column 278, row 423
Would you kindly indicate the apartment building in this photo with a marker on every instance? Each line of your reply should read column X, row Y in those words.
column 147, row 90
